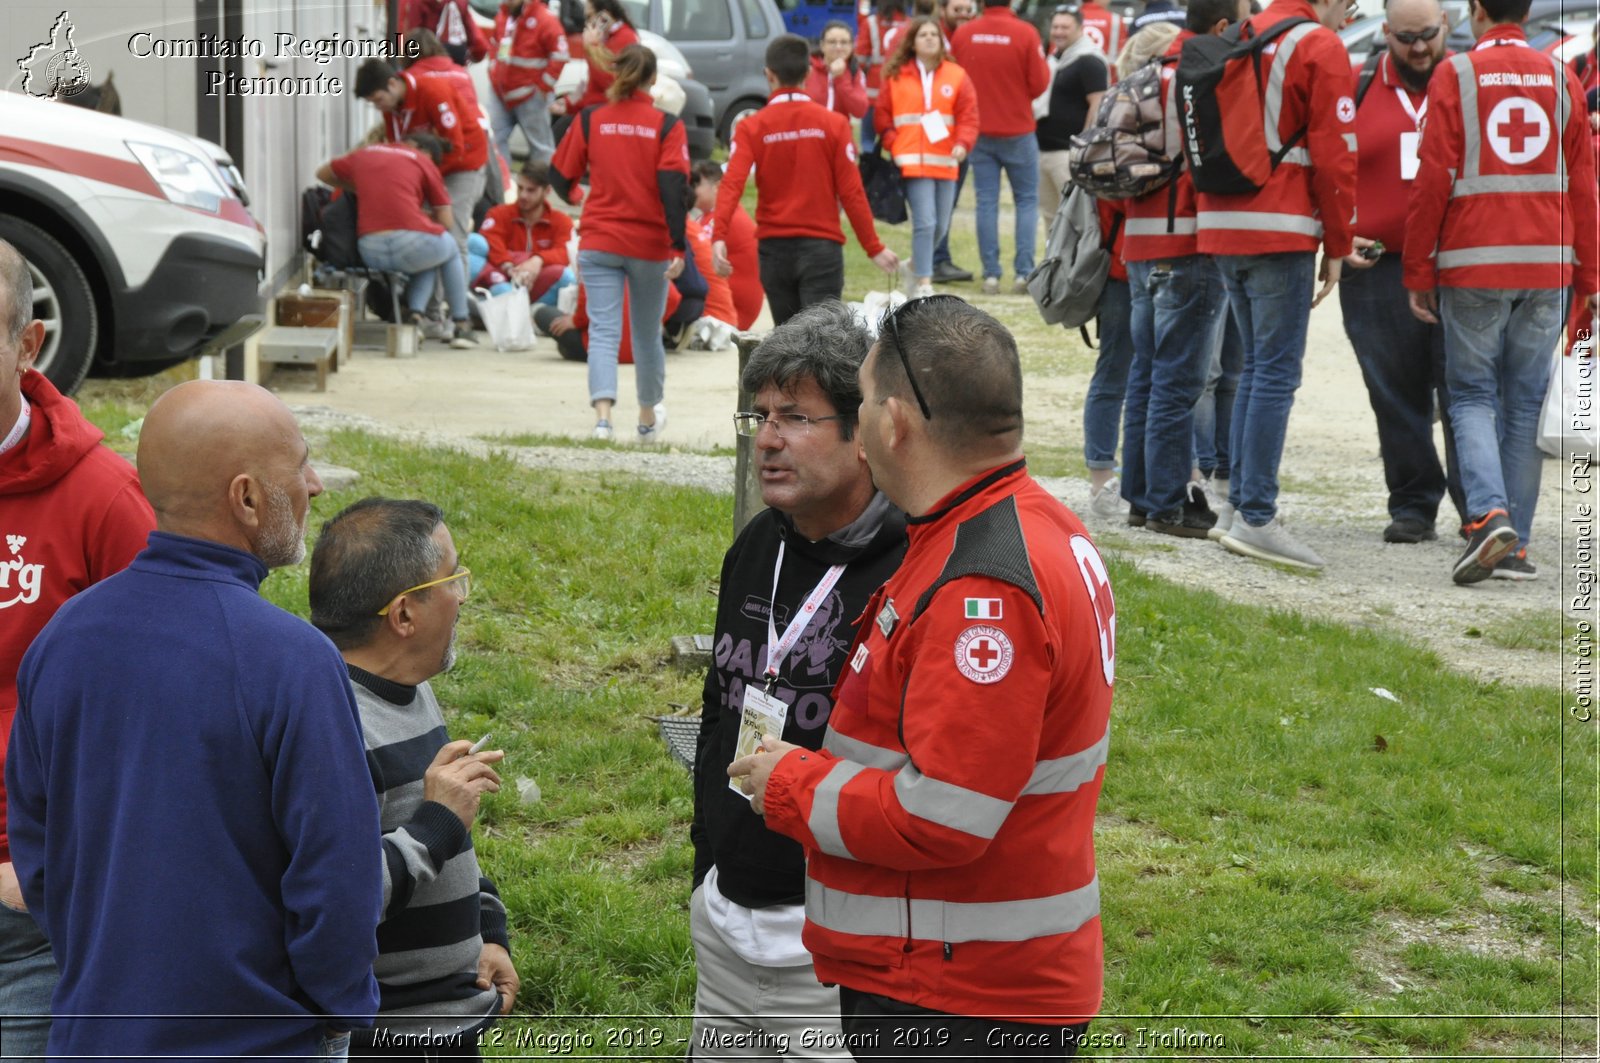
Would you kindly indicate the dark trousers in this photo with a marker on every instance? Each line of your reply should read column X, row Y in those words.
column 880, row 1027
column 1402, row 362
column 941, row 250
column 797, row 271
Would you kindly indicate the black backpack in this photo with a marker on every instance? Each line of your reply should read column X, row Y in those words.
column 1219, row 94
column 332, row 239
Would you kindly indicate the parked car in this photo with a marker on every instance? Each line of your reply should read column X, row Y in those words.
column 725, row 42
column 139, row 240
column 699, row 113
column 1552, row 26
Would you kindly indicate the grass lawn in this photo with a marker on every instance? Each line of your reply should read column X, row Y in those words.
column 1291, row 865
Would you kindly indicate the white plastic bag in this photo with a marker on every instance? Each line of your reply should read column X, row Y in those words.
column 1569, row 421
column 874, row 305
column 506, row 317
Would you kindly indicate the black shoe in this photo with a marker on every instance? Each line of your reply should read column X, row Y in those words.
column 1516, row 566
column 1192, row 520
column 1136, row 516
column 950, row 273
column 1491, row 537
column 1409, row 530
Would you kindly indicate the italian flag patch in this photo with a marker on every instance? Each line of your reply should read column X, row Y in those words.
column 983, row 609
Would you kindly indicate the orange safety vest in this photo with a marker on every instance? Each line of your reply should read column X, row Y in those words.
column 913, row 152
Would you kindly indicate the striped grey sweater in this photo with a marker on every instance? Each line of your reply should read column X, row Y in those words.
column 437, row 908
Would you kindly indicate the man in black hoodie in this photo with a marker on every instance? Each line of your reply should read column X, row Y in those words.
column 792, row 585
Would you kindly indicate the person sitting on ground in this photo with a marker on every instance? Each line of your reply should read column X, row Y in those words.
column 526, row 242
column 744, row 278
column 387, row 588
column 392, row 183
column 571, row 331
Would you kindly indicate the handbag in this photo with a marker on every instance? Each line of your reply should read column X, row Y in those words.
column 506, row 317
column 886, row 189
column 1567, row 420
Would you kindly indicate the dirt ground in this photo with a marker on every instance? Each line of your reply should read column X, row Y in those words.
column 1333, row 495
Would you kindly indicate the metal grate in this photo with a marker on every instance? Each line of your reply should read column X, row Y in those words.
column 681, row 733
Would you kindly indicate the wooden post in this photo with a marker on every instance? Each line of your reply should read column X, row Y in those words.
column 746, row 474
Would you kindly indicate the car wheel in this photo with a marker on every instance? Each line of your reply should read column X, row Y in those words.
column 737, row 112
column 62, row 299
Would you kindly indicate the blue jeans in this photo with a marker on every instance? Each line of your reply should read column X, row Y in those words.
column 605, row 276
column 1402, row 362
column 1102, row 406
column 941, row 251
column 423, row 256
column 1178, row 310
column 1213, row 413
column 27, row 979
column 869, row 135
column 1271, row 299
column 532, row 113
column 1497, row 352
column 1019, row 157
column 931, row 199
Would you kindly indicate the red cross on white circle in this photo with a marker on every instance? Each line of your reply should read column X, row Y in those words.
column 1518, row 130
column 984, row 653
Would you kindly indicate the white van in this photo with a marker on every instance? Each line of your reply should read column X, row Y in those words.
column 139, row 239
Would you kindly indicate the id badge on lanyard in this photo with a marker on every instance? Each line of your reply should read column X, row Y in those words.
column 1411, row 142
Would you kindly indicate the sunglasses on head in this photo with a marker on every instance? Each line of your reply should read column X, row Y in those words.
column 891, row 325
column 1409, row 39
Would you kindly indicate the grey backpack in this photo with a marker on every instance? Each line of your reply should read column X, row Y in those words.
column 1067, row 282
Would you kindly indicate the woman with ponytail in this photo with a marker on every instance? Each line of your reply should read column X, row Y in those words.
column 631, row 232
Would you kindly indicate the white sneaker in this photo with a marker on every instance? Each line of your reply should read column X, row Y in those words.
column 922, row 291
column 650, row 434
column 1270, row 542
column 1224, row 512
column 602, row 430
column 1107, row 502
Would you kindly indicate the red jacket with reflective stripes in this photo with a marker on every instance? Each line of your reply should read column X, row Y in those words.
column 948, row 818
column 869, row 46
column 1161, row 225
column 1505, row 195
column 1001, row 54
column 530, row 48
column 805, row 163
column 1310, row 200
column 435, row 104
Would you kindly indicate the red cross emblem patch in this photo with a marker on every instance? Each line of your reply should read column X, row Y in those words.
column 984, row 653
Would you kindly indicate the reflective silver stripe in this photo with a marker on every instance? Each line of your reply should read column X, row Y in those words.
column 949, row 805
column 1297, row 156
column 951, row 921
column 924, row 160
column 526, row 64
column 1275, row 79
column 916, row 119
column 862, row 752
column 1158, row 227
column 872, row 94
column 824, row 818
column 1350, row 141
column 520, row 94
column 1065, row 774
column 1469, row 114
column 1260, row 222
column 1483, row 186
column 1563, row 114
column 1512, row 255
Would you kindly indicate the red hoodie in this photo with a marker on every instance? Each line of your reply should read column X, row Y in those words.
column 1002, row 54
column 72, row 514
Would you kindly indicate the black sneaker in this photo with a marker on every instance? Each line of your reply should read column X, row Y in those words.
column 950, row 273
column 1516, row 566
column 1136, row 516
column 1192, row 520
column 1490, row 538
column 1409, row 530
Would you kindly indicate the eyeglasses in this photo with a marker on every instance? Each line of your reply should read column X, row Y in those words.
column 1408, row 39
column 785, row 424
column 891, row 322
column 461, row 577
column 1068, row 9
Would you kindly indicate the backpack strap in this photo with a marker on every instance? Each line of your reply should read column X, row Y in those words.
column 1369, row 70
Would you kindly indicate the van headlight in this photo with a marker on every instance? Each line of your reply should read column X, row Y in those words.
column 185, row 179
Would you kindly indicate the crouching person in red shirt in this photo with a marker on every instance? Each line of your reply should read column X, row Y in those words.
column 526, row 242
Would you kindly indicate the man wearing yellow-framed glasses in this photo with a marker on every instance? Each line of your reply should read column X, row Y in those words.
column 387, row 587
